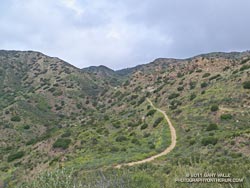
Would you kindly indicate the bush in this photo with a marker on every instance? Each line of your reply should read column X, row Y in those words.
column 245, row 67
column 121, row 138
column 16, row 119
column 135, row 141
column 192, row 142
column 199, row 70
column 114, row 149
column 214, row 77
column 192, row 85
column 246, row 85
column 226, row 68
column 206, row 75
column 151, row 112
column 244, row 61
column 192, row 96
column 180, row 88
column 141, row 101
column 15, row 156
column 179, row 74
column 173, row 95
column 26, row 127
column 214, row 108
column 157, row 121
column 62, row 143
column 66, row 134
column 209, row 140
column 144, row 126
column 52, row 89
column 226, row 116
column 176, row 103
column 204, row 84
column 212, row 127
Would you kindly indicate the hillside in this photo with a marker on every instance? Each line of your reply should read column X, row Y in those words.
column 54, row 115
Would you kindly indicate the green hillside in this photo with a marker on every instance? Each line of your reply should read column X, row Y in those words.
column 61, row 126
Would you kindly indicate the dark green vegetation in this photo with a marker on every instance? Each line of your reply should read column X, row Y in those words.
column 54, row 115
column 246, row 85
column 62, row 143
column 15, row 156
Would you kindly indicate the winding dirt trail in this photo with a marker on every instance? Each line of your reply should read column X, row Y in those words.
column 166, row 151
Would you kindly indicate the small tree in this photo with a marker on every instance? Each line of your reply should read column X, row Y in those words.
column 192, row 96
column 144, row 126
column 226, row 116
column 204, row 84
column 15, row 156
column 16, row 119
column 246, row 85
column 209, row 140
column 62, row 143
column 214, row 108
column 212, row 127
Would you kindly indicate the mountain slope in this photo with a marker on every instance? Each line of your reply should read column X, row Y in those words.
column 53, row 114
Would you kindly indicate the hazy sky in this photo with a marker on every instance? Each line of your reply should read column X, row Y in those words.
column 124, row 33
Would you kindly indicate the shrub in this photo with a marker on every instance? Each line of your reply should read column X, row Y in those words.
column 244, row 61
column 32, row 141
column 144, row 126
column 114, row 149
column 179, row 74
column 151, row 112
column 66, row 134
column 245, row 67
column 52, row 89
column 204, row 84
column 212, row 127
column 214, row 77
column 199, row 70
column 192, row 85
column 157, row 121
column 226, row 68
column 15, row 156
column 180, row 88
column 192, row 142
column 206, row 75
column 117, row 124
column 151, row 145
column 214, row 108
column 209, row 140
column 26, row 127
column 126, row 83
column 16, row 119
column 135, row 141
column 246, row 85
column 118, row 93
column 141, row 101
column 173, row 95
column 176, row 103
column 226, row 116
column 62, row 143
column 121, row 138
column 192, row 96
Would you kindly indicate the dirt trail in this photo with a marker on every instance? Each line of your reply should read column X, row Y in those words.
column 166, row 151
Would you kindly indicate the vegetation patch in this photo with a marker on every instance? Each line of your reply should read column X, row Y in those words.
column 214, row 108
column 226, row 116
column 16, row 118
column 209, row 140
column 212, row 126
column 246, row 85
column 173, row 95
column 15, row 156
column 62, row 143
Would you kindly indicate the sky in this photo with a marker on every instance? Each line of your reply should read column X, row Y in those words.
column 124, row 33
